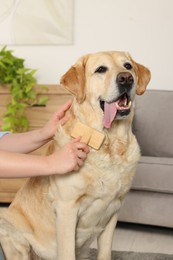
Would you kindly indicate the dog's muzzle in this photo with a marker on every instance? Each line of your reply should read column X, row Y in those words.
column 120, row 107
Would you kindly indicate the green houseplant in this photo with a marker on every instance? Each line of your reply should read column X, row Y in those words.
column 20, row 82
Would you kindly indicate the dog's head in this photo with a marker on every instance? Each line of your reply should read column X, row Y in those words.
column 109, row 80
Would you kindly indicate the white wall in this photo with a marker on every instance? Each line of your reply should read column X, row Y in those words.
column 144, row 28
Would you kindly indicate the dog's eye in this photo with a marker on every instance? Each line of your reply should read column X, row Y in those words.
column 101, row 69
column 128, row 66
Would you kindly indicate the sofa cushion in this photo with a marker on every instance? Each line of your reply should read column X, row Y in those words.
column 147, row 208
column 153, row 123
column 154, row 174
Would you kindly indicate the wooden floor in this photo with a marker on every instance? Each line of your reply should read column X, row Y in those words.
column 140, row 238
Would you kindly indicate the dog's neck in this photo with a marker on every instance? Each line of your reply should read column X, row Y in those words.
column 92, row 123
column 88, row 115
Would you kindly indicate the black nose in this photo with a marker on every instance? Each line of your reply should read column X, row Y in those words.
column 125, row 79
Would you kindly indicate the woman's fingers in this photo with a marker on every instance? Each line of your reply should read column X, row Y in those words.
column 79, row 145
column 64, row 109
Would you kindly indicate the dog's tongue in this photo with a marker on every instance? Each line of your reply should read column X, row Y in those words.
column 110, row 111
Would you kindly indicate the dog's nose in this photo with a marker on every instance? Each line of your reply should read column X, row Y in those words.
column 125, row 79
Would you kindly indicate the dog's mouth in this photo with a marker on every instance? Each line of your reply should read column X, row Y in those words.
column 119, row 108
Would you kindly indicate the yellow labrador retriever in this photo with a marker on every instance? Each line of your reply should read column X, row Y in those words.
column 58, row 217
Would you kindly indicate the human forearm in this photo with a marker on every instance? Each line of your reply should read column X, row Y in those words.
column 15, row 165
column 23, row 142
column 32, row 140
column 64, row 160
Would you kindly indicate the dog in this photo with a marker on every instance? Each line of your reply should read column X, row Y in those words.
column 58, row 217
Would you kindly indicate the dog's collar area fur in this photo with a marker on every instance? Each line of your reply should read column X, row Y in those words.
column 88, row 135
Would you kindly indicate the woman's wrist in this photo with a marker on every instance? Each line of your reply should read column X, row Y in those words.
column 44, row 135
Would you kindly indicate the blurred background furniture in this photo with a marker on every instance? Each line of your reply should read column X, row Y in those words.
column 150, row 200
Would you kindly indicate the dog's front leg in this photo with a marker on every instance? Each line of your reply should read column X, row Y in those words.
column 14, row 249
column 105, row 240
column 66, row 227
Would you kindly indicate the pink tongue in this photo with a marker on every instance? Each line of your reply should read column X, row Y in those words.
column 110, row 111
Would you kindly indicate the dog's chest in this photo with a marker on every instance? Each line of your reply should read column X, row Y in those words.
column 109, row 183
column 95, row 213
column 97, row 207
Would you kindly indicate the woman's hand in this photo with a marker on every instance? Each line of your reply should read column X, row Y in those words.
column 68, row 158
column 58, row 118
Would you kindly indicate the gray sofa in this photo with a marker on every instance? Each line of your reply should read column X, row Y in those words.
column 150, row 200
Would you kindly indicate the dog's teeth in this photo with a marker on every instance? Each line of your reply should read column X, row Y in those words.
column 130, row 103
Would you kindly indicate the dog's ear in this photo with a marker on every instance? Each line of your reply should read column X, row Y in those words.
column 74, row 79
column 143, row 76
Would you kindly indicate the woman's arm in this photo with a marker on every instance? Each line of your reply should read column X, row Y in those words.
column 32, row 140
column 69, row 158
column 22, row 142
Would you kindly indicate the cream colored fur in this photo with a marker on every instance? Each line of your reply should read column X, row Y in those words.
column 58, row 217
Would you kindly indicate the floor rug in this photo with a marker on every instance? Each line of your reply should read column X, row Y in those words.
column 118, row 255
